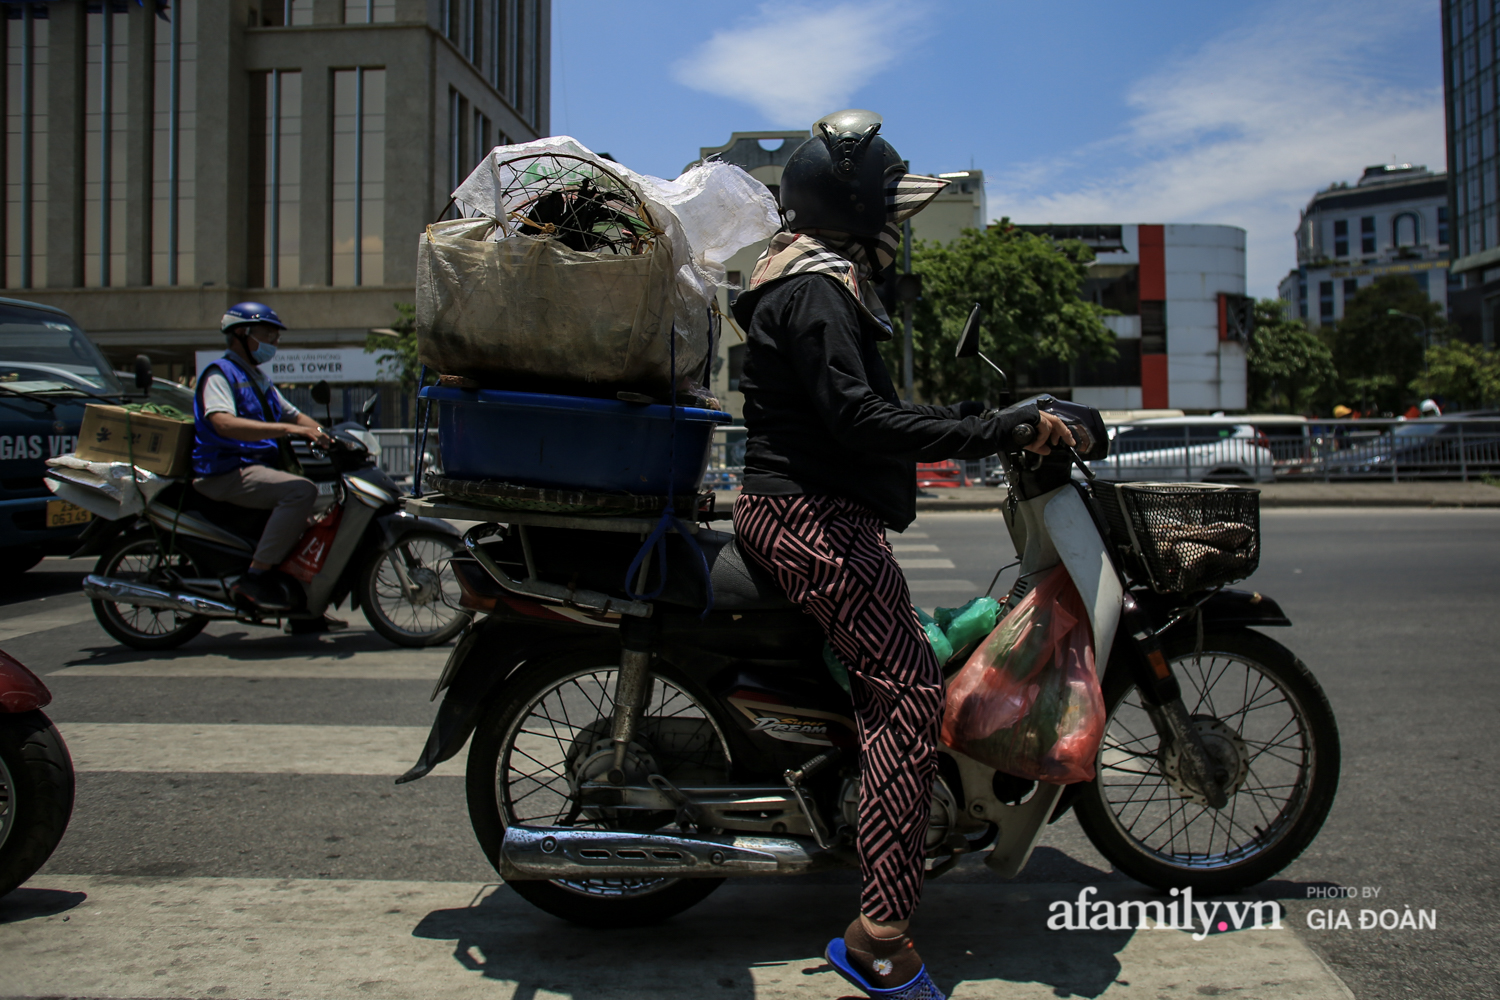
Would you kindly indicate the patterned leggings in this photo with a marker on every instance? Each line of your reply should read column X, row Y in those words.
column 831, row 557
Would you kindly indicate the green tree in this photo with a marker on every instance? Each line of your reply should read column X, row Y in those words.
column 1465, row 375
column 1028, row 288
column 396, row 350
column 1287, row 363
column 1379, row 354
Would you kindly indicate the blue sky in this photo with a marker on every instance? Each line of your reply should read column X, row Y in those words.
column 1169, row 111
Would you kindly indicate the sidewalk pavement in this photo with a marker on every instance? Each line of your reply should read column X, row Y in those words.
column 1351, row 494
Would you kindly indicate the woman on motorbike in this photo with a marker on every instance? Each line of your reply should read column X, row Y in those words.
column 829, row 464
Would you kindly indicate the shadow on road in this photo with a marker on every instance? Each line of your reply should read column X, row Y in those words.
column 28, row 904
column 746, row 935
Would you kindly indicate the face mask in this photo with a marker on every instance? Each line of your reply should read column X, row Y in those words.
column 263, row 353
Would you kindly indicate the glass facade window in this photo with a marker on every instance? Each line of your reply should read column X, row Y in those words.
column 1325, row 300
column 297, row 12
column 173, row 133
column 1341, row 238
column 359, row 176
column 1442, row 218
column 276, row 182
column 1367, row 234
column 367, row 11
column 104, row 190
column 25, row 225
column 1351, row 286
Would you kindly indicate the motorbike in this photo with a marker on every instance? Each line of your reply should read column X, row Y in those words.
column 629, row 755
column 163, row 575
column 36, row 776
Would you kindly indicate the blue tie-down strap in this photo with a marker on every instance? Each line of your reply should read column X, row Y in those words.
column 657, row 541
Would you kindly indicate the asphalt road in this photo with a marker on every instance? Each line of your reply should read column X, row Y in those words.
column 1394, row 613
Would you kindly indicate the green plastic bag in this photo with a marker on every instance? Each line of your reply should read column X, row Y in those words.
column 969, row 623
column 941, row 647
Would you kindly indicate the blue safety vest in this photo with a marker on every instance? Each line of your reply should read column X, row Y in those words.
column 212, row 452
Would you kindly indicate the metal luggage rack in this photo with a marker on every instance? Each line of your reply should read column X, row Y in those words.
column 534, row 587
column 1183, row 537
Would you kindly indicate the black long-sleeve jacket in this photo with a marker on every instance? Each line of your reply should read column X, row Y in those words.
column 823, row 415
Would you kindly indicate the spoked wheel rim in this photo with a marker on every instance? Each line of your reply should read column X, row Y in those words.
column 1255, row 727
column 558, row 739
column 141, row 562
column 7, row 802
column 431, row 605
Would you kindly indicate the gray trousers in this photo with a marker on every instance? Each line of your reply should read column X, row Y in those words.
column 289, row 498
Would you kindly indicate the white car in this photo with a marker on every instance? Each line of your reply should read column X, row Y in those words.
column 1188, row 449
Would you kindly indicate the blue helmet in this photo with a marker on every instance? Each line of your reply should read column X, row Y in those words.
column 246, row 313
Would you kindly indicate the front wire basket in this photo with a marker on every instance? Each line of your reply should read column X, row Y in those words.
column 1183, row 537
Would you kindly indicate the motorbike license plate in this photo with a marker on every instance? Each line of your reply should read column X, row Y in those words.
column 61, row 514
column 326, row 489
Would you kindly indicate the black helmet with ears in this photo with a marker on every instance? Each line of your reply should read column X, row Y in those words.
column 837, row 179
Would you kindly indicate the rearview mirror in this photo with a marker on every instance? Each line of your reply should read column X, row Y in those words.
column 143, row 373
column 367, row 411
column 321, row 394
column 968, row 341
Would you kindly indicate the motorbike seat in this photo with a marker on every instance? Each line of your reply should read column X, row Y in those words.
column 739, row 584
column 244, row 522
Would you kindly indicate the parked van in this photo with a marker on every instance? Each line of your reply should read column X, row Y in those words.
column 49, row 370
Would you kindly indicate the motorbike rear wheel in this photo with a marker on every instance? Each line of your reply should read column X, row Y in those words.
column 36, row 795
column 429, row 614
column 524, row 766
column 137, row 557
column 1265, row 719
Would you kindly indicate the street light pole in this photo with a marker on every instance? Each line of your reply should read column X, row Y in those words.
column 906, row 364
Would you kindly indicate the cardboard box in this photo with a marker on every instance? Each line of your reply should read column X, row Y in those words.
column 158, row 444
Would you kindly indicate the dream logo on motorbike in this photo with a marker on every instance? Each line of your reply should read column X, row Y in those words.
column 793, row 725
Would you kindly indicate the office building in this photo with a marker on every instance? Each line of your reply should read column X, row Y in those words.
column 163, row 162
column 1470, row 81
column 1394, row 220
column 1182, row 324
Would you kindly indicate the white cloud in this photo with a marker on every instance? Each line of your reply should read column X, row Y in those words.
column 795, row 63
column 1245, row 129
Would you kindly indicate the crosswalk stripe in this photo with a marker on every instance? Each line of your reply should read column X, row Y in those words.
column 925, row 563
column 346, row 939
column 939, row 586
column 41, row 621
column 245, row 748
column 318, row 669
column 914, row 548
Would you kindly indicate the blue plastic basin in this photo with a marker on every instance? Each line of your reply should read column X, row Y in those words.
column 533, row 439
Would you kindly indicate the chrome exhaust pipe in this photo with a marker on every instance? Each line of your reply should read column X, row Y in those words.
column 533, row 852
column 107, row 588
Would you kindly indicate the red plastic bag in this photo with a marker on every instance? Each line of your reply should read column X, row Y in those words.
column 1028, row 701
column 311, row 551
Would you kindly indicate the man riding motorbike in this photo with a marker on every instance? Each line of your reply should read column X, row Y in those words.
column 240, row 423
column 829, row 464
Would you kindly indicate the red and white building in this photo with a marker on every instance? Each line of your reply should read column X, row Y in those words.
column 1182, row 324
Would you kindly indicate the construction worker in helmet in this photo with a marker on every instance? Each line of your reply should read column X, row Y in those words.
column 239, row 416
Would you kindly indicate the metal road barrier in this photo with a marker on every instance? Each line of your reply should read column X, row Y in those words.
column 1459, row 448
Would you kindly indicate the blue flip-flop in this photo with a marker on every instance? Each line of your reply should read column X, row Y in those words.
column 921, row 986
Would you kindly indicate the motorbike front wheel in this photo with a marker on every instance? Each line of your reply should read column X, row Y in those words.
column 36, row 795
column 421, row 609
column 533, row 747
column 1266, row 722
column 137, row 557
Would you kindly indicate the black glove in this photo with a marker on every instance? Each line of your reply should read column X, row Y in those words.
column 1014, row 427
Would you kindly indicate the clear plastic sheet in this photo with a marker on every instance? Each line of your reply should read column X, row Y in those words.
column 1028, row 700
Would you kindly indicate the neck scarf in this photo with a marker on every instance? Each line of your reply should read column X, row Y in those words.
column 846, row 258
